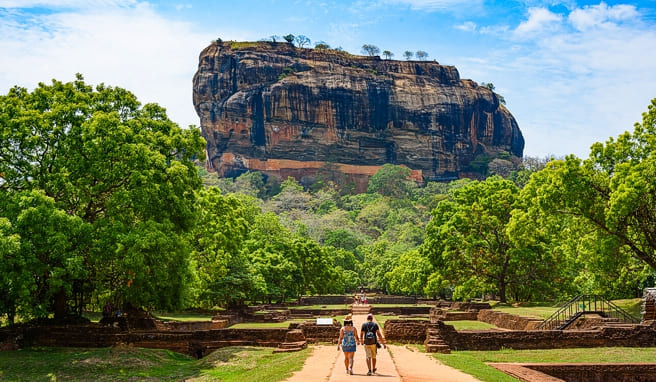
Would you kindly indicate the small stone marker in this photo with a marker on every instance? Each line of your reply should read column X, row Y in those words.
column 324, row 321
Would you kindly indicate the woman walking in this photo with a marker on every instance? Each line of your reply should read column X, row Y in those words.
column 348, row 339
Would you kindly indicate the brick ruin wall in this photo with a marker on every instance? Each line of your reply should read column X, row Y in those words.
column 414, row 331
column 609, row 372
column 507, row 320
column 633, row 336
column 406, row 331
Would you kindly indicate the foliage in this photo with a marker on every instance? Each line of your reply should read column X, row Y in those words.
column 408, row 55
column 370, row 50
column 321, row 45
column 610, row 194
column 128, row 364
column 421, row 55
column 289, row 38
column 100, row 191
column 467, row 241
column 302, row 40
column 388, row 55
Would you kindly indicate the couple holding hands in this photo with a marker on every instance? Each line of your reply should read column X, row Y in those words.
column 369, row 335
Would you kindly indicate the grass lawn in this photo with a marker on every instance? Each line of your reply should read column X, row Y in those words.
column 125, row 363
column 538, row 310
column 261, row 325
column 182, row 316
column 544, row 309
column 322, row 307
column 470, row 325
column 473, row 362
column 380, row 319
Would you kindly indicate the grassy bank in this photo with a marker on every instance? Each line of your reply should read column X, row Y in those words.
column 473, row 362
column 126, row 363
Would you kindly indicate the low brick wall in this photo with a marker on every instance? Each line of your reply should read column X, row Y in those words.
column 325, row 300
column 598, row 372
column 312, row 313
column 508, row 321
column 196, row 343
column 391, row 300
column 443, row 314
column 406, row 331
column 466, row 306
column 318, row 333
column 403, row 310
column 636, row 336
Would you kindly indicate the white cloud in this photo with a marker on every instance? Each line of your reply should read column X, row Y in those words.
column 78, row 4
column 435, row 4
column 539, row 20
column 468, row 26
column 578, row 85
column 601, row 15
column 127, row 46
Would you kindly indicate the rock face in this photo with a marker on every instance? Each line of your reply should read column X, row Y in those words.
column 290, row 111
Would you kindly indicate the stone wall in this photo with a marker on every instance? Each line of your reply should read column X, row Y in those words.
column 649, row 304
column 507, row 320
column 450, row 315
column 325, row 300
column 318, row 333
column 635, row 336
column 598, row 372
column 403, row 310
column 312, row 313
column 196, row 343
column 406, row 331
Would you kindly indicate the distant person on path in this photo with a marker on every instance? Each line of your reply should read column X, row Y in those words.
column 348, row 339
column 369, row 334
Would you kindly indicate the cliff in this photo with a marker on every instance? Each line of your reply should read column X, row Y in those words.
column 289, row 111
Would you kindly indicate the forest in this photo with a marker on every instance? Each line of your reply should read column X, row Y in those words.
column 105, row 199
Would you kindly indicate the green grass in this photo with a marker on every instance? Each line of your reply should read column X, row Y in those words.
column 182, row 316
column 544, row 310
column 633, row 306
column 261, row 325
column 470, row 325
column 473, row 362
column 538, row 310
column 125, row 363
column 380, row 319
column 321, row 307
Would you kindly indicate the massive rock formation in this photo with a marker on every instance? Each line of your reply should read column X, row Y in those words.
column 289, row 111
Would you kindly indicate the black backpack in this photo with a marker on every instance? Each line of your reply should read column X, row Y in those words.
column 370, row 334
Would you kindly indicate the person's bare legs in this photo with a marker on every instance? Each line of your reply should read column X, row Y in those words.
column 351, row 358
column 347, row 356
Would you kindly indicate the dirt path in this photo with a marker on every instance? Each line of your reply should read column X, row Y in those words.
column 394, row 364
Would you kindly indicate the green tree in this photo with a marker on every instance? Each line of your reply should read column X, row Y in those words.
column 217, row 241
column 410, row 274
column 301, row 41
column 122, row 174
column 612, row 190
column 408, row 55
column 370, row 50
column 289, row 38
column 392, row 180
column 466, row 240
column 388, row 55
column 421, row 55
column 321, row 45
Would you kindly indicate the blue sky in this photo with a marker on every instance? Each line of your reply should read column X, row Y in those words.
column 572, row 72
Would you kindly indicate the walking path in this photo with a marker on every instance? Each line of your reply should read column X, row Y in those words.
column 397, row 363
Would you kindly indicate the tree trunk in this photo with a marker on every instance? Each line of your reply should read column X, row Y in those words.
column 60, row 304
column 501, row 284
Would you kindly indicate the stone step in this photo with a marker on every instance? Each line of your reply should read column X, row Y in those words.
column 287, row 347
column 444, row 349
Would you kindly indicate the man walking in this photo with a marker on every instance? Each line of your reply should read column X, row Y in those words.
column 369, row 335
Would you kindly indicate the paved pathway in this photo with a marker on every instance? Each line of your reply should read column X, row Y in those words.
column 396, row 364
